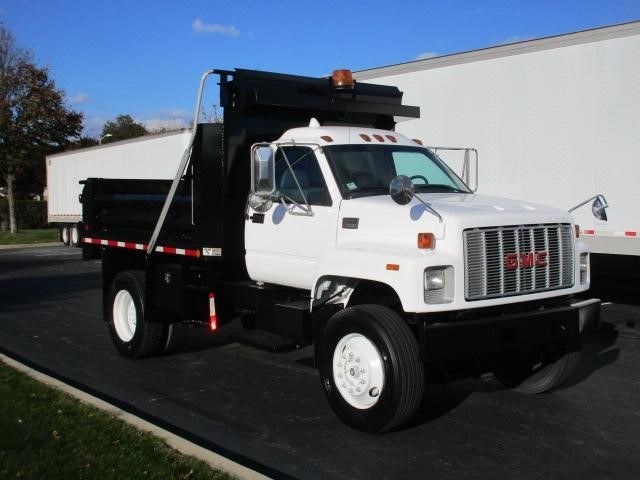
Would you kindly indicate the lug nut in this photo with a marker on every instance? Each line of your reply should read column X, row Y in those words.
column 374, row 392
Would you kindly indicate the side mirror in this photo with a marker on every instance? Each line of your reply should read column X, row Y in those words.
column 401, row 189
column 598, row 208
column 263, row 170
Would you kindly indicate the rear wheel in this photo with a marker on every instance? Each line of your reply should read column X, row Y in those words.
column 64, row 234
column 541, row 374
column 131, row 331
column 370, row 368
column 74, row 235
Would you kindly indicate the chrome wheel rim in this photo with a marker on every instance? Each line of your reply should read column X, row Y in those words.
column 358, row 371
column 124, row 315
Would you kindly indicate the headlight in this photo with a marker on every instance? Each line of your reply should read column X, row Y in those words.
column 438, row 284
column 434, row 278
column 584, row 268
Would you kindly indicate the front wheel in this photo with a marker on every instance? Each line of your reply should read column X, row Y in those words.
column 131, row 331
column 370, row 368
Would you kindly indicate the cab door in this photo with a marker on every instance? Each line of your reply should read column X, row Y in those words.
column 283, row 244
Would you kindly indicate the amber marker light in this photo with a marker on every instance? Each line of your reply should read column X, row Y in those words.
column 393, row 267
column 418, row 141
column 343, row 79
column 577, row 231
column 426, row 241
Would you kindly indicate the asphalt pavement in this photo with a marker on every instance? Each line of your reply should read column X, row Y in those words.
column 267, row 411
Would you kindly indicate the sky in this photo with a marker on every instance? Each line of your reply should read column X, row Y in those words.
column 145, row 58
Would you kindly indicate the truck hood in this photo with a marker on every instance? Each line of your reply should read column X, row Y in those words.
column 379, row 216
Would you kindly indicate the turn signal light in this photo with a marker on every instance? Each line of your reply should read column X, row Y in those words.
column 426, row 241
column 577, row 231
column 343, row 79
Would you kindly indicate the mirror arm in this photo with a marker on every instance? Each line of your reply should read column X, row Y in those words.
column 430, row 209
column 295, row 178
column 601, row 197
column 306, row 210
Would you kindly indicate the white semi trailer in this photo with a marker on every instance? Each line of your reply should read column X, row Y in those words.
column 554, row 120
column 149, row 157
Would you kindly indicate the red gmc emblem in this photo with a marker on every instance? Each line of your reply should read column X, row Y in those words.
column 525, row 260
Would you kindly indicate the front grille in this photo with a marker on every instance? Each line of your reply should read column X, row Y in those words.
column 506, row 261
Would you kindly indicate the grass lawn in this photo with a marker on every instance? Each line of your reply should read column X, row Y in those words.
column 47, row 434
column 42, row 235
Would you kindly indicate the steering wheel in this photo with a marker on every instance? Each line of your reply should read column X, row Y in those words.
column 421, row 177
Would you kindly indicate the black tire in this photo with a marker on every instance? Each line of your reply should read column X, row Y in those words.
column 65, row 234
column 401, row 393
column 174, row 337
column 74, row 235
column 145, row 337
column 531, row 378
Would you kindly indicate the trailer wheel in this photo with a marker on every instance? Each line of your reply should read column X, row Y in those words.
column 370, row 368
column 175, row 336
column 64, row 234
column 528, row 377
column 74, row 235
column 131, row 331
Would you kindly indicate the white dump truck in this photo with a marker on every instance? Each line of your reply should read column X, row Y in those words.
column 149, row 157
column 306, row 215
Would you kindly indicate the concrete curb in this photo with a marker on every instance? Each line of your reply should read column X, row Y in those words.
column 29, row 245
column 174, row 441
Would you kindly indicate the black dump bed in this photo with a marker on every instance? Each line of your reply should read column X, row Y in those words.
column 209, row 207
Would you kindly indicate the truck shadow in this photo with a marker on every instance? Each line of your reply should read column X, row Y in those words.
column 598, row 351
column 28, row 293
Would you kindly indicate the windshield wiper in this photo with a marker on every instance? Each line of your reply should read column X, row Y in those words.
column 362, row 191
column 435, row 186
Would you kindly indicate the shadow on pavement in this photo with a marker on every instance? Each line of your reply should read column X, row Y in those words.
column 29, row 292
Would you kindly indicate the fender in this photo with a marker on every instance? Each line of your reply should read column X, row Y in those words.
column 339, row 270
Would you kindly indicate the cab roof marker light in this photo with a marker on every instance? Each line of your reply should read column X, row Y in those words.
column 380, row 138
column 327, row 138
column 419, row 142
column 365, row 137
column 392, row 139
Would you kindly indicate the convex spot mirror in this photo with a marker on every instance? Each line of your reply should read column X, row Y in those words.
column 259, row 203
column 401, row 189
column 263, row 171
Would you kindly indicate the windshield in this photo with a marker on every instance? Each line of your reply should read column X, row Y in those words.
column 365, row 170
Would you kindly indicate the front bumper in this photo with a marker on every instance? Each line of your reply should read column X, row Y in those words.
column 508, row 332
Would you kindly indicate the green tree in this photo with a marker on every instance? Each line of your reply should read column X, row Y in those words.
column 121, row 128
column 33, row 117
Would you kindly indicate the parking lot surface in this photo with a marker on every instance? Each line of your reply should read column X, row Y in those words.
column 267, row 411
